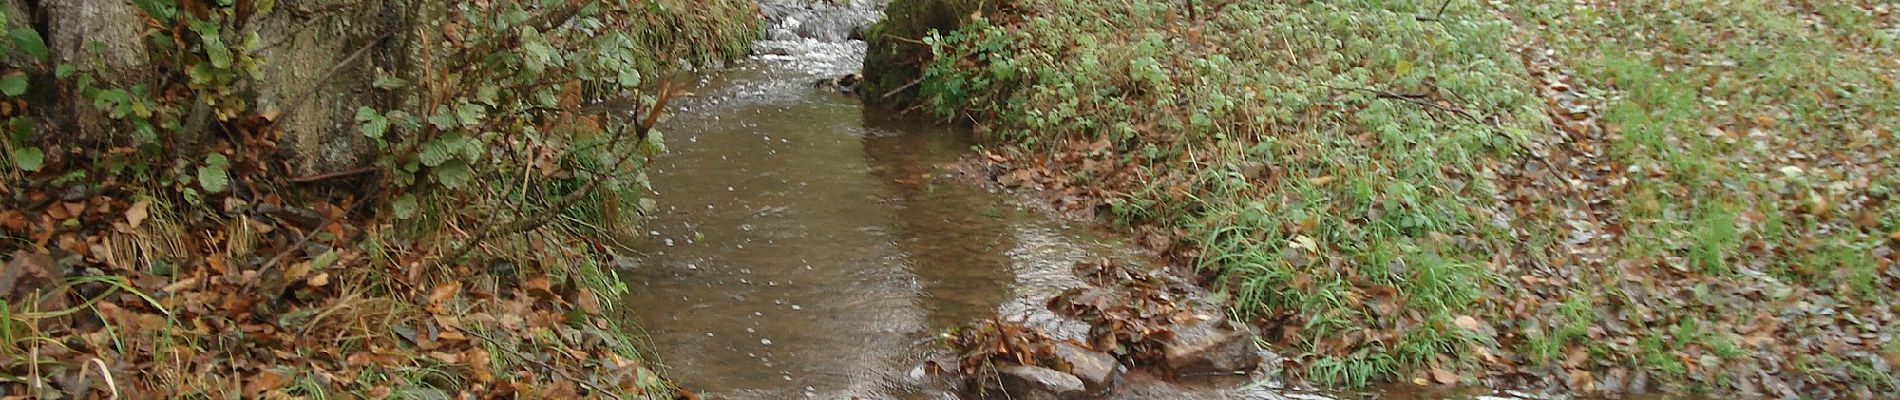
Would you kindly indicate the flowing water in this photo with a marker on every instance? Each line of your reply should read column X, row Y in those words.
column 809, row 248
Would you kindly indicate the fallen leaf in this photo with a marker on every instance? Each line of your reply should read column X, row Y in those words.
column 27, row 272
column 539, row 284
column 589, row 302
column 444, row 291
column 320, row 280
column 261, row 382
column 137, row 214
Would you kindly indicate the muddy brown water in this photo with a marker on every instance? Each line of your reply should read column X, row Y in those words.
column 808, row 249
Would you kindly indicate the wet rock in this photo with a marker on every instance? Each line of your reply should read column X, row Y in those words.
column 822, row 21
column 1037, row 383
column 1211, row 347
column 1097, row 370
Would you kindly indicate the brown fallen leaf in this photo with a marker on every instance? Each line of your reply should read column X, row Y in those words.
column 137, row 214
column 263, row 381
column 444, row 291
column 25, row 273
column 589, row 302
column 538, row 284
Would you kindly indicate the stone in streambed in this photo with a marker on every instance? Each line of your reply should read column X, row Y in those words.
column 1097, row 370
column 1037, row 383
column 1210, row 347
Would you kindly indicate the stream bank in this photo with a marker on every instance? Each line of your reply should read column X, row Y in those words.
column 1570, row 197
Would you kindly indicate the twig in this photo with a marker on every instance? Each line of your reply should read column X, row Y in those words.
column 1419, row 99
column 907, row 40
column 1435, row 16
column 893, row 92
column 541, row 22
column 525, row 224
column 557, row 371
column 268, row 264
column 334, row 175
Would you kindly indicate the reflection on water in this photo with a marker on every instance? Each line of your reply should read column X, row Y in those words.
column 803, row 251
column 806, row 250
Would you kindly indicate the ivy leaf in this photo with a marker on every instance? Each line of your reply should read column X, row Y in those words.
column 375, row 127
column 29, row 158
column 405, row 207
column 488, row 94
column 388, row 82
column 373, row 124
column 29, row 40
column 453, row 174
column 213, row 176
column 629, row 77
column 153, row 8
column 435, row 153
column 442, row 119
column 470, row 114
column 13, row 84
column 216, row 51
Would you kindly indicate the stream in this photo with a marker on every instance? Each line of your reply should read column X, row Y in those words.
column 816, row 249
column 807, row 248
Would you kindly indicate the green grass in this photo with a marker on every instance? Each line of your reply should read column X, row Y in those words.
column 1359, row 175
column 1336, row 158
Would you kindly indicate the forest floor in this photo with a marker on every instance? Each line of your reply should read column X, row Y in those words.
column 1581, row 197
column 246, row 281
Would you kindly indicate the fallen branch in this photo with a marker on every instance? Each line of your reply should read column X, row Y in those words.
column 893, row 92
column 907, row 40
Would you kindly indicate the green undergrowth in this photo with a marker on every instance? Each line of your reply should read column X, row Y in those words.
column 1326, row 159
column 472, row 256
column 1355, row 170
